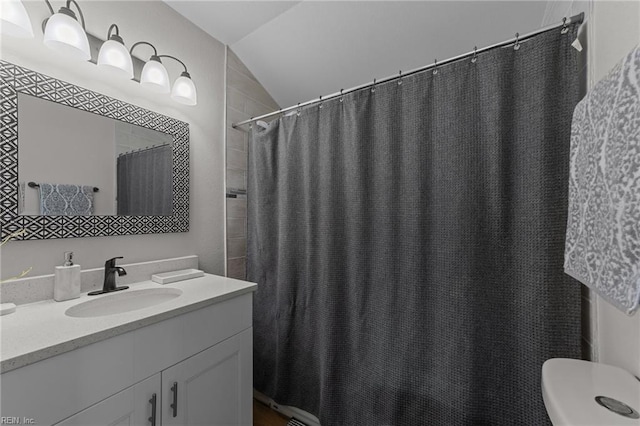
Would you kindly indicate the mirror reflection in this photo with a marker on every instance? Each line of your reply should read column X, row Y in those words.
column 75, row 163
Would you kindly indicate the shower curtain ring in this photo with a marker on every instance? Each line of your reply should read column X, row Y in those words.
column 517, row 45
column 341, row 96
column 400, row 78
column 565, row 28
column 475, row 55
column 320, row 106
column 435, row 67
column 298, row 110
column 373, row 86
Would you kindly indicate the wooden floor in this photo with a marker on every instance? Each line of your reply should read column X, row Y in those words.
column 265, row 416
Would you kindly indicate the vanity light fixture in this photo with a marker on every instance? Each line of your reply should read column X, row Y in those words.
column 154, row 74
column 114, row 55
column 63, row 32
column 14, row 19
column 184, row 91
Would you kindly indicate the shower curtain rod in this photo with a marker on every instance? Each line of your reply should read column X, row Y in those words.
column 136, row 151
column 517, row 39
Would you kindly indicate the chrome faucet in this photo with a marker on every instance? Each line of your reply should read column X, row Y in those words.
column 110, row 271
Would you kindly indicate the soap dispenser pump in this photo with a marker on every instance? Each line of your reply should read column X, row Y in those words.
column 67, row 279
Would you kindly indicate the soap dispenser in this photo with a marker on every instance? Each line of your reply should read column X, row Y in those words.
column 67, row 279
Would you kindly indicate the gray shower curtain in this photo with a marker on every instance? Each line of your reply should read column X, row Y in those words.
column 408, row 244
column 144, row 182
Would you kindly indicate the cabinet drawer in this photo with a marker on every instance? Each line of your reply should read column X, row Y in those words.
column 132, row 406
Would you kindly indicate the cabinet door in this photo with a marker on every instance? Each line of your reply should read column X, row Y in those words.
column 132, row 406
column 213, row 387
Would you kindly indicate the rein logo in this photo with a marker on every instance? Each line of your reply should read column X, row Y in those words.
column 16, row 421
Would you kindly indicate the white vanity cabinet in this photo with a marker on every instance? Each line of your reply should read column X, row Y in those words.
column 135, row 405
column 204, row 389
column 207, row 352
column 209, row 388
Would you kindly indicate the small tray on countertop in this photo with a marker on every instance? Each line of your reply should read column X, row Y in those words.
column 175, row 276
column 7, row 308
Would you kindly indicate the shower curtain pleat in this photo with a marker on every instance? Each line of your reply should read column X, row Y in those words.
column 144, row 182
column 408, row 243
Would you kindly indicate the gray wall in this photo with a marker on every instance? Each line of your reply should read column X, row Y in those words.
column 130, row 137
column 60, row 144
column 246, row 98
column 614, row 29
column 172, row 34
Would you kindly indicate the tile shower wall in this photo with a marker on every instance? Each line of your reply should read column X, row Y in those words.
column 246, row 98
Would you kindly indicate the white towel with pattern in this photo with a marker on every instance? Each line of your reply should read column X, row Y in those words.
column 66, row 200
column 603, row 230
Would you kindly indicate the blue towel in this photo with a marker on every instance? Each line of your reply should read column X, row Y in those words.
column 603, row 230
column 66, row 200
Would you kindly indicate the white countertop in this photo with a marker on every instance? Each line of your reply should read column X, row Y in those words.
column 40, row 330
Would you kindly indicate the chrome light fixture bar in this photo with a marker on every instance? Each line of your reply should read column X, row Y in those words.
column 64, row 33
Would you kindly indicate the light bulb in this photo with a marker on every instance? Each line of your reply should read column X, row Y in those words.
column 14, row 19
column 64, row 33
column 115, row 56
column 184, row 91
column 154, row 76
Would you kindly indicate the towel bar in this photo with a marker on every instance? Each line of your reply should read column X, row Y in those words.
column 35, row 185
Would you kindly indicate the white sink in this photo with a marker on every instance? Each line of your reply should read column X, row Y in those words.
column 124, row 301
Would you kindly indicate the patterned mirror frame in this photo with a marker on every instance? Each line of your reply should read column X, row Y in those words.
column 15, row 79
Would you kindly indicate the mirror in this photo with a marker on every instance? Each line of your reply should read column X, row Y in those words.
column 75, row 163
column 68, row 138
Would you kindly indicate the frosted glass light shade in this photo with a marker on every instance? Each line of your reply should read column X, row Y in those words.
column 114, row 56
column 65, row 34
column 14, row 19
column 155, row 76
column 184, row 91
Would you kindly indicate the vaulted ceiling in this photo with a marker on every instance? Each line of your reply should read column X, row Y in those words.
column 300, row 50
